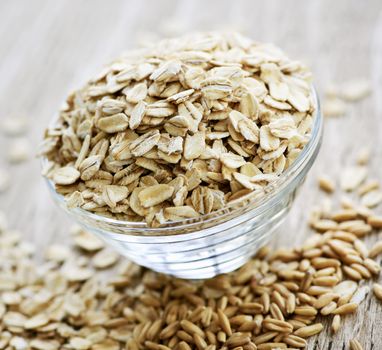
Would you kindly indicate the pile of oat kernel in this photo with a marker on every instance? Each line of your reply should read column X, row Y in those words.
column 180, row 129
column 91, row 299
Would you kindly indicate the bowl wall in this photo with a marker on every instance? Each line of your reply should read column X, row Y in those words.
column 212, row 245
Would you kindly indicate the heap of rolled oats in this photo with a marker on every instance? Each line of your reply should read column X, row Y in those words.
column 180, row 129
column 91, row 299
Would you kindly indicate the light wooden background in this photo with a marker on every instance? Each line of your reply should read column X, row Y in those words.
column 49, row 47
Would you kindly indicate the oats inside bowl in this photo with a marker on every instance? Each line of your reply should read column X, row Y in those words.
column 180, row 129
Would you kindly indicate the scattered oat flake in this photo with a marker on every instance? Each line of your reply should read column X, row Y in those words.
column 334, row 107
column 36, row 321
column 11, row 298
column 363, row 156
column 14, row 319
column 57, row 252
column 355, row 90
column 352, row 177
column 105, row 258
column 40, row 344
column 80, row 343
column 19, row 343
column 332, row 90
column 76, row 274
column 19, row 150
column 88, row 241
column 14, row 126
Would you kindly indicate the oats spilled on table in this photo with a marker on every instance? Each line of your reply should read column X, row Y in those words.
column 338, row 97
column 180, row 129
column 14, row 126
column 273, row 302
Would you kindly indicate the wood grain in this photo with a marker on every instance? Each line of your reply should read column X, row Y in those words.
column 50, row 47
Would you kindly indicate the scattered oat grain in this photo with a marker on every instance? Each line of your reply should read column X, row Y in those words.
column 355, row 345
column 19, row 150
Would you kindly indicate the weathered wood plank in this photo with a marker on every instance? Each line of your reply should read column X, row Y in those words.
column 49, row 47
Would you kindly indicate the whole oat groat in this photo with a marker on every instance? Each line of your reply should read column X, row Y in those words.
column 180, row 129
column 88, row 298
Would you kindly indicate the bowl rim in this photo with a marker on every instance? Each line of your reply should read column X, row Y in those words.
column 268, row 193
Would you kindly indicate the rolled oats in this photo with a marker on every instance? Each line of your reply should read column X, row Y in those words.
column 19, row 150
column 87, row 241
column 105, row 258
column 334, row 107
column 355, row 90
column 18, row 343
column 80, row 343
column 137, row 114
column 36, row 321
column 207, row 108
column 57, row 252
column 112, row 194
column 66, row 175
column 268, row 141
column 352, row 177
column 13, row 126
column 153, row 195
column 194, row 145
column 363, row 156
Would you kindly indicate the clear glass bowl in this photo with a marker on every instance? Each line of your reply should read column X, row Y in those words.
column 212, row 244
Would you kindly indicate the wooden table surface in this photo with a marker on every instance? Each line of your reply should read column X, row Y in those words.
column 50, row 47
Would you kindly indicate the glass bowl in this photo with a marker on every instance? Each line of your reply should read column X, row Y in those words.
column 211, row 244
